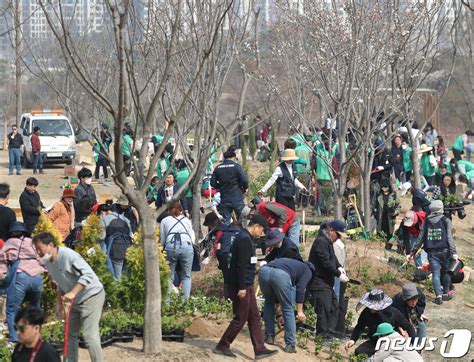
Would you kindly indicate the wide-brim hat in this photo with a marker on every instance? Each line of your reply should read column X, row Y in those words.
column 18, row 226
column 425, row 148
column 409, row 291
column 376, row 300
column 274, row 236
column 289, row 155
column 68, row 193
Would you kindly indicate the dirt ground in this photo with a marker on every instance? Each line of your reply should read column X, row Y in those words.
column 203, row 335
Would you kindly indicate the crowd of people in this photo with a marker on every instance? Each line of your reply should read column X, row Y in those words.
column 236, row 230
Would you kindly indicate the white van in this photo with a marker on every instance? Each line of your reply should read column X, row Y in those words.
column 58, row 143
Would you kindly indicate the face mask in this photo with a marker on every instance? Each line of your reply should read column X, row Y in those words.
column 88, row 181
column 46, row 257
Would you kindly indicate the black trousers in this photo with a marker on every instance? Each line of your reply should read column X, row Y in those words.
column 326, row 308
column 342, row 310
column 457, row 154
column 286, row 201
column 368, row 347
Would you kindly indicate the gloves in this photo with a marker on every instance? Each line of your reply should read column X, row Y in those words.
column 379, row 168
column 344, row 278
column 455, row 257
column 409, row 258
column 262, row 263
column 342, row 270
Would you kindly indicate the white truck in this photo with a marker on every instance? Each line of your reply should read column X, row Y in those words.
column 58, row 143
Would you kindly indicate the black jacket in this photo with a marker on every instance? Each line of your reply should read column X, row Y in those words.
column 85, row 199
column 420, row 199
column 230, row 180
column 288, row 250
column 372, row 320
column 325, row 262
column 404, row 308
column 31, row 205
column 15, row 142
column 7, row 218
column 243, row 261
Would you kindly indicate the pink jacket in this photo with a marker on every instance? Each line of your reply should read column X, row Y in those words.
column 30, row 263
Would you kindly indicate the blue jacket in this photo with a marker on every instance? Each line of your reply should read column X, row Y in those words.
column 229, row 179
column 299, row 272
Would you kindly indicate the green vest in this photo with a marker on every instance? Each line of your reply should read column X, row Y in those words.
column 323, row 158
column 181, row 178
column 127, row 145
column 162, row 167
column 470, row 177
column 448, row 168
column 427, row 168
column 459, row 144
column 468, row 166
column 304, row 154
column 298, row 139
column 407, row 161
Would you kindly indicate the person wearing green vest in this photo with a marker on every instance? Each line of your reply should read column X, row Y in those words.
column 407, row 161
column 152, row 192
column 460, row 143
column 465, row 166
column 296, row 136
column 211, row 160
column 428, row 164
column 304, row 151
column 126, row 148
column 164, row 162
column 181, row 177
column 323, row 162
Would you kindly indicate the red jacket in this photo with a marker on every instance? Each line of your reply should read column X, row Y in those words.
column 35, row 143
column 277, row 215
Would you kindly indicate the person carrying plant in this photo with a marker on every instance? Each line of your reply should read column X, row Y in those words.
column 230, row 180
column 31, row 347
column 327, row 267
column 76, row 284
column 240, row 281
column 411, row 303
column 279, row 280
column 437, row 240
column 285, row 176
column 127, row 151
column 19, row 258
column 386, row 209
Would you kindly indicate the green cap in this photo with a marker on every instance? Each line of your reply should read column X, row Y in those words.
column 383, row 329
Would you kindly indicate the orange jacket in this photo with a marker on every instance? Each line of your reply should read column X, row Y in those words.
column 62, row 216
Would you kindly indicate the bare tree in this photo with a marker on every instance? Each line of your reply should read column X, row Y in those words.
column 154, row 66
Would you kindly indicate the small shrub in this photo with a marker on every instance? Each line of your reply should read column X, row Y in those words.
column 318, row 344
column 45, row 225
column 386, row 277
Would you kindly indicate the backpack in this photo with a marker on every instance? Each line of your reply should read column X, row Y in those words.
column 117, row 239
column 224, row 245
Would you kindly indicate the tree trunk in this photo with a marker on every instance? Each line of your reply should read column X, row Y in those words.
column 152, row 333
column 18, row 95
column 338, row 205
column 471, row 61
column 196, row 214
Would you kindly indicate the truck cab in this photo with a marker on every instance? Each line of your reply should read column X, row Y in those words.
column 58, row 144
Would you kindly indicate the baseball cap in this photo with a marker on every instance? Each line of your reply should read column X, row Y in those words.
column 339, row 226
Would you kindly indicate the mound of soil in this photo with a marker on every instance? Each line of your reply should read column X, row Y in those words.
column 203, row 328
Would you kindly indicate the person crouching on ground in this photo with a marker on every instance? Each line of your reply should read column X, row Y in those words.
column 378, row 309
column 31, row 347
column 77, row 284
column 411, row 302
column 386, row 331
column 240, row 282
column 279, row 281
